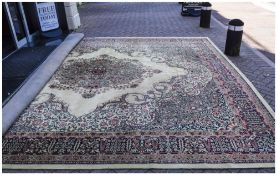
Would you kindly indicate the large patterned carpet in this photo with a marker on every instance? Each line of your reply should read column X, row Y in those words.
column 143, row 103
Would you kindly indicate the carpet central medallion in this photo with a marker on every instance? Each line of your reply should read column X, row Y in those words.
column 141, row 101
column 96, row 75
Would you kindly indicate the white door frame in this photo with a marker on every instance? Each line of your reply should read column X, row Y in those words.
column 25, row 25
column 28, row 37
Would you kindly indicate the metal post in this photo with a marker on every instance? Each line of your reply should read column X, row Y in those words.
column 234, row 37
column 205, row 18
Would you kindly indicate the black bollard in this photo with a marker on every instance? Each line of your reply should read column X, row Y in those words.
column 205, row 18
column 234, row 37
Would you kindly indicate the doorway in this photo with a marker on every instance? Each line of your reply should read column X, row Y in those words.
column 20, row 23
column 15, row 19
column 8, row 45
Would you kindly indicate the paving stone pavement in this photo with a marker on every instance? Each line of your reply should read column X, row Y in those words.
column 164, row 20
column 259, row 23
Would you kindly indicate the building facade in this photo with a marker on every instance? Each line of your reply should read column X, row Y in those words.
column 22, row 22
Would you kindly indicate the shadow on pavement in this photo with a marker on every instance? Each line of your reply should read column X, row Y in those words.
column 269, row 55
